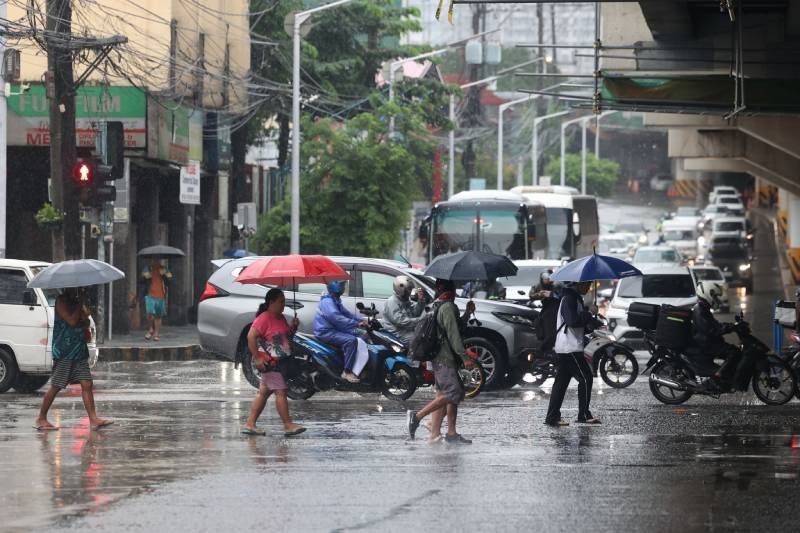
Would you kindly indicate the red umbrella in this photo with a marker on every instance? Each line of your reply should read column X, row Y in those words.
column 286, row 270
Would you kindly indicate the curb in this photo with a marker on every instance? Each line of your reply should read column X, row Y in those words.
column 168, row 353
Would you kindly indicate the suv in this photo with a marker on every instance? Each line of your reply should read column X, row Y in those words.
column 502, row 335
column 26, row 328
column 658, row 285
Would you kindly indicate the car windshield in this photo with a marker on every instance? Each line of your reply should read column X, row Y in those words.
column 50, row 294
column 678, row 235
column 656, row 256
column 686, row 212
column 527, row 276
column 730, row 226
column 629, row 227
column 708, row 274
column 657, row 286
column 729, row 200
column 606, row 245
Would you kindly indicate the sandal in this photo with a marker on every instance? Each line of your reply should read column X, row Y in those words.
column 253, row 431
column 294, row 432
column 591, row 421
column 148, row 336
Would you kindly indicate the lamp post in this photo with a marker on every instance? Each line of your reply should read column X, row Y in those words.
column 596, row 144
column 501, row 110
column 564, row 126
column 299, row 18
column 535, row 142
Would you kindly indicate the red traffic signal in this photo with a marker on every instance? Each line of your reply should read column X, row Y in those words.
column 83, row 173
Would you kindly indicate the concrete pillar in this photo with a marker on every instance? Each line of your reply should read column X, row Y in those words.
column 793, row 234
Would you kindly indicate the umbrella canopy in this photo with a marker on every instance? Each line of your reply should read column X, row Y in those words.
column 79, row 273
column 237, row 253
column 161, row 250
column 596, row 267
column 471, row 266
column 289, row 269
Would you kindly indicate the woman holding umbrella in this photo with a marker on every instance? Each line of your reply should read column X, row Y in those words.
column 155, row 280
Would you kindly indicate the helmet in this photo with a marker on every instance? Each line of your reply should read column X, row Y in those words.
column 546, row 276
column 402, row 286
column 336, row 287
column 709, row 292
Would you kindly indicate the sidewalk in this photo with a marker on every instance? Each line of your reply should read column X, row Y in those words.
column 177, row 343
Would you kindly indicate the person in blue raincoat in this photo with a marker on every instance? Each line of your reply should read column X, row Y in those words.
column 335, row 325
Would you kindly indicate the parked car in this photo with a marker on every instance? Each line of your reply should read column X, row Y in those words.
column 722, row 190
column 659, row 255
column 26, row 328
column 518, row 287
column 502, row 333
column 661, row 182
column 658, row 285
column 712, row 275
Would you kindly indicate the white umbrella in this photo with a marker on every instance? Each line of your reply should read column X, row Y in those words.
column 78, row 273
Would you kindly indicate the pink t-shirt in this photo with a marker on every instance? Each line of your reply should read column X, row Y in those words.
column 275, row 335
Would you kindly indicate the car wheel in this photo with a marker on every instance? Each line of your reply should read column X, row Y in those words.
column 29, row 383
column 248, row 369
column 8, row 370
column 491, row 360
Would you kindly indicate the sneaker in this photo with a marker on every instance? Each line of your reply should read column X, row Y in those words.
column 591, row 420
column 456, row 439
column 412, row 422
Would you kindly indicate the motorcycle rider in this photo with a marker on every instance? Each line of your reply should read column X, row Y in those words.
column 708, row 341
column 544, row 289
column 400, row 313
column 335, row 325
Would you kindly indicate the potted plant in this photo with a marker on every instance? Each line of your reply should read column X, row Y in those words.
column 48, row 217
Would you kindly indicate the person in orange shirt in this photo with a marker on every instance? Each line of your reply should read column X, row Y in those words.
column 155, row 277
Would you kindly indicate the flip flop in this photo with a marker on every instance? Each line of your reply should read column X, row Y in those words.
column 294, row 432
column 156, row 339
column 46, row 428
column 250, row 431
column 147, row 337
column 104, row 424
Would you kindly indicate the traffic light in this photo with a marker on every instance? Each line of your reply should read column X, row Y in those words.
column 83, row 173
column 101, row 190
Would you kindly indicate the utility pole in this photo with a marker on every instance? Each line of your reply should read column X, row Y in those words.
column 473, row 106
column 60, row 91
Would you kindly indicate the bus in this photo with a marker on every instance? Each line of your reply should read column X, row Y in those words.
column 572, row 222
column 498, row 222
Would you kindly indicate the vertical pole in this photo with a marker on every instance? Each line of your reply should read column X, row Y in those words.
column 101, row 256
column 583, row 155
column 110, row 289
column 294, row 246
column 3, row 143
column 451, row 153
column 597, row 136
column 391, row 98
column 535, row 152
column 500, row 148
column 563, row 168
column 519, row 172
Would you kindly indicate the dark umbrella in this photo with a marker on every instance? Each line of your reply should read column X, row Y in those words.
column 160, row 250
column 471, row 266
column 596, row 267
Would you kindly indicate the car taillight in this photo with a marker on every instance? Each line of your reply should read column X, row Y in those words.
column 212, row 291
column 795, row 338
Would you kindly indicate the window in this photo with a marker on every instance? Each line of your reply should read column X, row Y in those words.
column 708, row 274
column 377, row 285
column 657, row 286
column 730, row 226
column 12, row 286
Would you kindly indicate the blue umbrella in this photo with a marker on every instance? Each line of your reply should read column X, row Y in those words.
column 237, row 253
column 596, row 267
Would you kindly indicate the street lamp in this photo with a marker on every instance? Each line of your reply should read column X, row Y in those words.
column 297, row 22
column 596, row 144
column 564, row 126
column 535, row 142
column 501, row 110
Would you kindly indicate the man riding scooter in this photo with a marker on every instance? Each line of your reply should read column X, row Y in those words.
column 401, row 314
column 708, row 341
column 335, row 325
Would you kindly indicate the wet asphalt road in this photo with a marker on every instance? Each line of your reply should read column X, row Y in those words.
column 175, row 461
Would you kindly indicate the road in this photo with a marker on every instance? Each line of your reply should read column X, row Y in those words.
column 175, row 461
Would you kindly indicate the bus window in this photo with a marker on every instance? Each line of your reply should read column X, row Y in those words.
column 586, row 208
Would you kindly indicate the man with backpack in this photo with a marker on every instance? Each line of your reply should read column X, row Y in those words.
column 449, row 352
column 571, row 320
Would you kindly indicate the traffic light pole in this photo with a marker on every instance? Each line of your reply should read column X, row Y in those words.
column 3, row 142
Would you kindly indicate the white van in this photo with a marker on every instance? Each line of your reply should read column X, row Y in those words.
column 26, row 328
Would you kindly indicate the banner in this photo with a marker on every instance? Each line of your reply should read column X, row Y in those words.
column 190, row 183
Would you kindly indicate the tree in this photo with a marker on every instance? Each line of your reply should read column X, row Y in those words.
column 601, row 174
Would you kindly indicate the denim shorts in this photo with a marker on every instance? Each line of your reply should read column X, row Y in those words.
column 155, row 306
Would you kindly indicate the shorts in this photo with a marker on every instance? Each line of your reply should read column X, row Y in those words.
column 273, row 380
column 448, row 383
column 70, row 371
column 155, row 306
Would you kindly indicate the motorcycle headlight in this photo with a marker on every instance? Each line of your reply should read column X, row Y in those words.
column 612, row 325
column 396, row 348
column 514, row 319
column 744, row 268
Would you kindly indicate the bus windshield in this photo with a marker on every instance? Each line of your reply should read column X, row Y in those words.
column 559, row 232
column 498, row 231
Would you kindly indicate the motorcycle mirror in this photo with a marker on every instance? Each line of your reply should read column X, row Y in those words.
column 359, row 306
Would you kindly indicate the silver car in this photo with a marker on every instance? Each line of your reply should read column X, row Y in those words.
column 502, row 333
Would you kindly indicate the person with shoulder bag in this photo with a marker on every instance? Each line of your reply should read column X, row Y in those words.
column 269, row 342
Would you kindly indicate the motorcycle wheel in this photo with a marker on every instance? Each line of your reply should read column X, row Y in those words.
column 776, row 384
column 619, row 370
column 541, row 371
column 472, row 379
column 299, row 385
column 401, row 383
column 665, row 394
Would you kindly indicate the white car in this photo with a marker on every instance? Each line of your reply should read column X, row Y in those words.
column 661, row 182
column 614, row 245
column 655, row 256
column 722, row 190
column 711, row 275
column 658, row 285
column 731, row 202
column 518, row 287
column 714, row 211
column 26, row 328
column 681, row 235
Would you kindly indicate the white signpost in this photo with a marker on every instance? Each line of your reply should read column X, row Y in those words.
column 190, row 183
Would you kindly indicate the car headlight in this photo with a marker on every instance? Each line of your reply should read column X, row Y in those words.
column 744, row 268
column 643, row 239
column 611, row 337
column 515, row 319
column 750, row 237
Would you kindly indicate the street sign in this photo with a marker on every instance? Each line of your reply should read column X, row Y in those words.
column 190, row 183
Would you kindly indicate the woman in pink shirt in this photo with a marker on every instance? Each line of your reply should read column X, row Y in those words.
column 269, row 340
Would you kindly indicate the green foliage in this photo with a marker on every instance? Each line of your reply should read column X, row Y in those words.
column 601, row 174
column 49, row 216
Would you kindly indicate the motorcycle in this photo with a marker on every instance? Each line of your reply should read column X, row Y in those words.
column 317, row 367
column 472, row 379
column 676, row 377
column 614, row 361
column 791, row 354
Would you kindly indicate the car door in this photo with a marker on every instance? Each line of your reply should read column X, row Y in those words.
column 23, row 320
column 375, row 286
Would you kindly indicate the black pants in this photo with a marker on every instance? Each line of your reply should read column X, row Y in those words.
column 571, row 365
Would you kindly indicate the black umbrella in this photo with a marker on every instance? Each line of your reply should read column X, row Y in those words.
column 471, row 266
column 160, row 250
